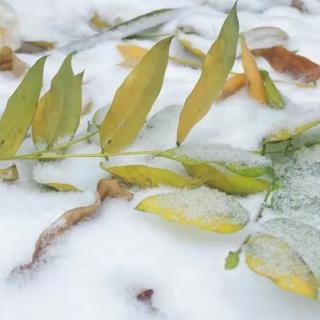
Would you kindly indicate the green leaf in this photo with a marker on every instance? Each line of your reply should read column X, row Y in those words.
column 232, row 260
column 20, row 110
column 134, row 99
column 58, row 114
column 145, row 176
column 273, row 95
column 274, row 258
column 215, row 70
column 9, row 174
column 207, row 209
column 228, row 169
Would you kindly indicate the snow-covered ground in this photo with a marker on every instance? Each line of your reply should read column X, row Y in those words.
column 96, row 270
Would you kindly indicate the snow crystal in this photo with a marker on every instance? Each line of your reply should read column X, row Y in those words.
column 205, row 204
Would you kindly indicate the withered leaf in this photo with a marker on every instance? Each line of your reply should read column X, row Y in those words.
column 10, row 62
column 9, row 174
column 106, row 188
column 289, row 62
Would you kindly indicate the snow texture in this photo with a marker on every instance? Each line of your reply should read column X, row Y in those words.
column 96, row 269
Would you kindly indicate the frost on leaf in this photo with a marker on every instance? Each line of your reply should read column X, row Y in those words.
column 204, row 208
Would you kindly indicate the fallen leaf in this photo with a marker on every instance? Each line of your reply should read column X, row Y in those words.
column 134, row 99
column 132, row 54
column 207, row 209
column 98, row 23
column 215, row 70
column 232, row 260
column 233, row 84
column 20, row 110
column 255, row 82
column 285, row 61
column 106, row 188
column 9, row 174
column 145, row 176
column 300, row 5
column 10, row 62
column 187, row 45
column 32, row 47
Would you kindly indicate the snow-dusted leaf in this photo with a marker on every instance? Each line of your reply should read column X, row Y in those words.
column 283, row 60
column 215, row 70
column 106, row 188
column 288, row 133
column 58, row 114
column 233, row 84
column 273, row 95
column 187, row 45
column 254, row 78
column 146, row 176
column 273, row 258
column 9, row 174
column 132, row 54
column 265, row 37
column 134, row 99
column 20, row 110
column 221, row 166
column 123, row 30
column 204, row 208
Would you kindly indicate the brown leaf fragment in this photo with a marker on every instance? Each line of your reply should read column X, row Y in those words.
column 145, row 295
column 10, row 62
column 300, row 5
column 285, row 61
column 106, row 188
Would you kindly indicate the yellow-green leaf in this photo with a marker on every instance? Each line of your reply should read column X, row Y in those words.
column 273, row 95
column 98, row 22
column 203, row 208
column 58, row 114
column 134, row 99
column 61, row 186
column 255, row 82
column 286, row 134
column 232, row 260
column 215, row 70
column 145, row 176
column 273, row 258
column 20, row 110
column 9, row 174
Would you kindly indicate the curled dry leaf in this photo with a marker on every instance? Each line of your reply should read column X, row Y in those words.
column 106, row 188
column 10, row 62
column 289, row 62
column 255, row 82
column 9, row 174
column 215, row 70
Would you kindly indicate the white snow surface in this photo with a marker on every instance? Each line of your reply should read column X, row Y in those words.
column 97, row 268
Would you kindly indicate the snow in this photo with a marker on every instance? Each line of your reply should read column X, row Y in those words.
column 97, row 268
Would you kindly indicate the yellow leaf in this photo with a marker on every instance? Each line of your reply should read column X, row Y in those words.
column 233, row 84
column 98, row 23
column 132, row 54
column 255, row 80
column 61, row 186
column 286, row 134
column 145, row 176
column 187, row 45
column 215, row 70
column 134, row 99
column 273, row 258
column 9, row 174
column 58, row 114
column 207, row 209
column 20, row 110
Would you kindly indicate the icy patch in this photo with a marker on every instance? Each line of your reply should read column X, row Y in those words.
column 206, row 205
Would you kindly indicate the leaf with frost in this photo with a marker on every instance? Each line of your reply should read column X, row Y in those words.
column 283, row 60
column 134, row 99
column 229, row 169
column 273, row 258
column 106, row 188
column 145, row 176
column 9, row 174
column 126, row 29
column 215, row 70
column 203, row 208
column 20, row 110
column 233, row 84
column 58, row 114
column 273, row 95
column 255, row 81
column 287, row 134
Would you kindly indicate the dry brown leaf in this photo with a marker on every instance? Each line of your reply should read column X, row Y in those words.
column 255, row 82
column 10, row 62
column 286, row 61
column 106, row 188
column 233, row 84
column 300, row 5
